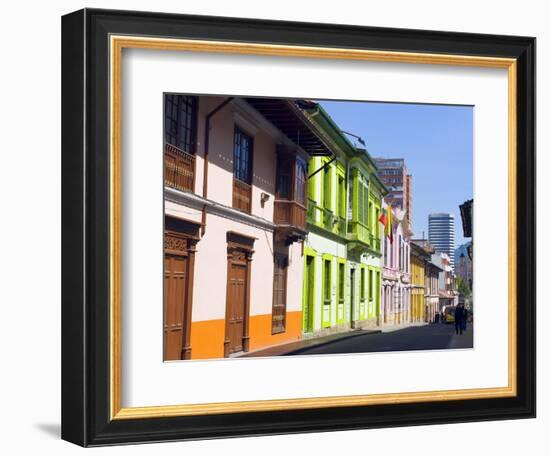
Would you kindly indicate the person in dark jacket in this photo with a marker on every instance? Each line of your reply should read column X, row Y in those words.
column 459, row 317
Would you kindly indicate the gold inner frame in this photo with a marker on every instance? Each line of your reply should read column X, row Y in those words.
column 117, row 44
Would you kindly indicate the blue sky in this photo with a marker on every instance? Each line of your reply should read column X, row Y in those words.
column 436, row 142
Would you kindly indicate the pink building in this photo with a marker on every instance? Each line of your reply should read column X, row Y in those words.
column 396, row 273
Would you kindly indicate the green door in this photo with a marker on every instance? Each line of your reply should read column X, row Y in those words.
column 309, row 293
column 352, row 297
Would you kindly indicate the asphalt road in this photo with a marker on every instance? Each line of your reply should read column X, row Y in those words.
column 428, row 337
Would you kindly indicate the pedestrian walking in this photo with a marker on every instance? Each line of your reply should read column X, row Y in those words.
column 459, row 318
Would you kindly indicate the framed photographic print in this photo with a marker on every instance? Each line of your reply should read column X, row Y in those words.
column 268, row 227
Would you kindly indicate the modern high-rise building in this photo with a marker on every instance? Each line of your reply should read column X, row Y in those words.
column 441, row 234
column 393, row 173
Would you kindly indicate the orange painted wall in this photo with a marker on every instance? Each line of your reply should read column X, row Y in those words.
column 260, row 330
column 207, row 336
column 207, row 339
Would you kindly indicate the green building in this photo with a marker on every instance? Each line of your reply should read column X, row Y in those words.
column 342, row 253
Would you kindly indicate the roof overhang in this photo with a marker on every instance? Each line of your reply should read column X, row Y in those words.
column 293, row 123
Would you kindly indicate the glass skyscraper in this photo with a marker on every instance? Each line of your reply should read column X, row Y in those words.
column 441, row 227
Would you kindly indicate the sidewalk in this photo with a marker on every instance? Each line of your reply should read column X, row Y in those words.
column 294, row 348
column 392, row 328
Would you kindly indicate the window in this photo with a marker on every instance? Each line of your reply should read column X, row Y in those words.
column 362, row 285
column 360, row 209
column 386, row 259
column 311, row 190
column 377, row 222
column 341, row 281
column 369, row 215
column 283, row 177
column 291, row 181
column 341, row 197
column 242, row 157
column 350, row 198
column 362, row 200
column 326, row 188
column 301, row 180
column 371, row 288
column 180, row 122
column 326, row 284
column 377, row 292
column 278, row 314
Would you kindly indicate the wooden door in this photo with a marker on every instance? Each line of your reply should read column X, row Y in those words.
column 278, row 313
column 237, row 295
column 175, row 293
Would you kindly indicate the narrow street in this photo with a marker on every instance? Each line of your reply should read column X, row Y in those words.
column 429, row 337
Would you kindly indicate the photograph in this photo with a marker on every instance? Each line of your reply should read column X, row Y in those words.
column 268, row 226
column 298, row 226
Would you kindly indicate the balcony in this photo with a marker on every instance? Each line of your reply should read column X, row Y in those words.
column 314, row 213
column 242, row 196
column 290, row 220
column 179, row 169
column 341, row 226
column 358, row 232
column 289, row 213
column 390, row 273
column 328, row 219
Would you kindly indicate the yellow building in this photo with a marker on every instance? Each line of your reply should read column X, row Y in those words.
column 419, row 260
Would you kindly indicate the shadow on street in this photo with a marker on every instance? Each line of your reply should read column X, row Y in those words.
column 429, row 337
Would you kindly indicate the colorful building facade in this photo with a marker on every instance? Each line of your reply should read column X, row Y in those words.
column 235, row 220
column 431, row 291
column 419, row 259
column 448, row 295
column 342, row 253
column 396, row 285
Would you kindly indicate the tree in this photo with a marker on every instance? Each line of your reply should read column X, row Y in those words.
column 463, row 288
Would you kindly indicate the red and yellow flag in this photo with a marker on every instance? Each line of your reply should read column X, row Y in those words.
column 389, row 230
column 386, row 220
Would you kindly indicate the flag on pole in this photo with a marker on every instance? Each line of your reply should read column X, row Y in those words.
column 382, row 219
column 388, row 226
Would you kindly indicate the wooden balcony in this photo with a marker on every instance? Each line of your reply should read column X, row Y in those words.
column 289, row 213
column 179, row 169
column 242, row 196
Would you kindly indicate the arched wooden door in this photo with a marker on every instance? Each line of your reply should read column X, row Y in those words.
column 236, row 304
column 237, row 312
column 175, row 293
column 180, row 238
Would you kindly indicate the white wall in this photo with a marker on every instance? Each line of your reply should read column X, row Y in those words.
column 29, row 233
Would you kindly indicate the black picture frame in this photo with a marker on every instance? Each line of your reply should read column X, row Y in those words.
column 85, row 224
